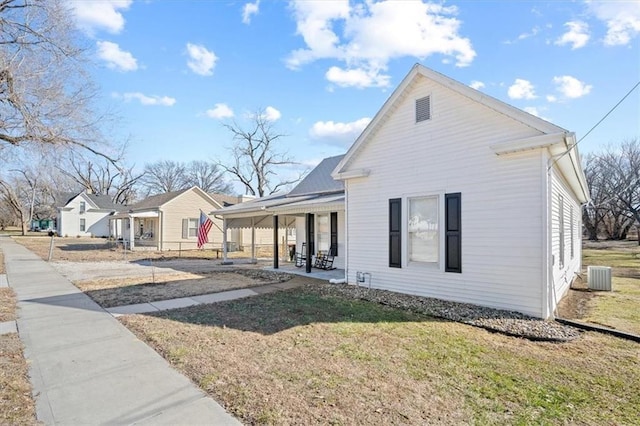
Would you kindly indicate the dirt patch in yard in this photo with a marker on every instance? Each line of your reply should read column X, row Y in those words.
column 304, row 357
column 110, row 292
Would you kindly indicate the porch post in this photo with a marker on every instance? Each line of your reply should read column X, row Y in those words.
column 131, row 233
column 275, row 242
column 253, row 241
column 309, row 238
column 224, row 242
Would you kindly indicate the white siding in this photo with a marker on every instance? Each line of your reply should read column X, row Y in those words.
column 563, row 275
column 96, row 221
column 502, row 233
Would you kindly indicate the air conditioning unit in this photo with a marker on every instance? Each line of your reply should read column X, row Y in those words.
column 599, row 277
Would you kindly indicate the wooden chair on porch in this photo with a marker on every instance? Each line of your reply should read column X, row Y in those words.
column 325, row 260
column 301, row 256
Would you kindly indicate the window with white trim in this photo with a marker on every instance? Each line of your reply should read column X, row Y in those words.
column 423, row 229
column 83, row 225
column 83, row 207
column 322, row 232
column 190, row 228
column 571, row 231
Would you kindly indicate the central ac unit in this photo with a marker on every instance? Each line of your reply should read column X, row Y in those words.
column 599, row 277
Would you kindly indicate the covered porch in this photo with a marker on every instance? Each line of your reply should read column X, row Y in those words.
column 136, row 230
column 304, row 228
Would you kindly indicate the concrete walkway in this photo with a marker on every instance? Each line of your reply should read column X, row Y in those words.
column 183, row 302
column 85, row 367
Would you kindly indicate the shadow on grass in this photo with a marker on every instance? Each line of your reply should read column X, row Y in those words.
column 275, row 312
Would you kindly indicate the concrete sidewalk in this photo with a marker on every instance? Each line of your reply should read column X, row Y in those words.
column 85, row 367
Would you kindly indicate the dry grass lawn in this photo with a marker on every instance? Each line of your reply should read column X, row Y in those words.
column 16, row 404
column 100, row 249
column 299, row 357
column 620, row 308
column 2, row 270
column 112, row 292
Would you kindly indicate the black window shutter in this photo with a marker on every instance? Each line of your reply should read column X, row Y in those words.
column 453, row 242
column 334, row 234
column 395, row 236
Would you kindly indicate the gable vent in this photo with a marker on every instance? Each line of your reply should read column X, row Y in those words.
column 423, row 109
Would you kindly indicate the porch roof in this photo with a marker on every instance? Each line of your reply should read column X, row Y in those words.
column 320, row 203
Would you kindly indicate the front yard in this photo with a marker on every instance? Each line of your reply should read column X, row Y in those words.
column 305, row 357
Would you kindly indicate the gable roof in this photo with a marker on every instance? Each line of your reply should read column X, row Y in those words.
column 102, row 202
column 158, row 200
column 155, row 201
column 319, row 180
column 572, row 169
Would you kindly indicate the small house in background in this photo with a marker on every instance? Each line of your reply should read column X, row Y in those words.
column 85, row 214
column 170, row 221
column 453, row 194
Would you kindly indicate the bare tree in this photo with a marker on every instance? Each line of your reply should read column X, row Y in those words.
column 21, row 193
column 164, row 176
column 102, row 177
column 256, row 157
column 45, row 92
column 613, row 177
column 208, row 176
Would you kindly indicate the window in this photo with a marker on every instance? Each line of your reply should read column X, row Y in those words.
column 322, row 233
column 571, row 230
column 423, row 230
column 423, row 109
column 83, row 207
column 561, row 230
column 189, row 228
column 83, row 225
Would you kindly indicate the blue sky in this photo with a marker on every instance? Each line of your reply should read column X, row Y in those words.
column 176, row 70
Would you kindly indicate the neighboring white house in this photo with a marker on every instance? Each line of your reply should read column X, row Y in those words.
column 85, row 214
column 453, row 194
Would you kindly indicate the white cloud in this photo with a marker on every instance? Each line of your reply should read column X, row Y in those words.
column 202, row 61
column 532, row 111
column 248, row 10
column 577, row 35
column 146, row 100
column 534, row 31
column 372, row 34
column 115, row 57
column 95, row 15
column 621, row 17
column 571, row 87
column 220, row 111
column 356, row 78
column 521, row 89
column 336, row 132
column 271, row 114
column 475, row 84
column 552, row 98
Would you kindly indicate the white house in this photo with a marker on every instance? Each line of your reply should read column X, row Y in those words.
column 453, row 194
column 85, row 214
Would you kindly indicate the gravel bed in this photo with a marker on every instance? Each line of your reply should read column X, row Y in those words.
column 506, row 322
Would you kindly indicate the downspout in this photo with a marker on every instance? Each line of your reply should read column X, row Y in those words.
column 160, row 243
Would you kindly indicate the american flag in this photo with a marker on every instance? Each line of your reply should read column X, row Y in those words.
column 203, row 229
